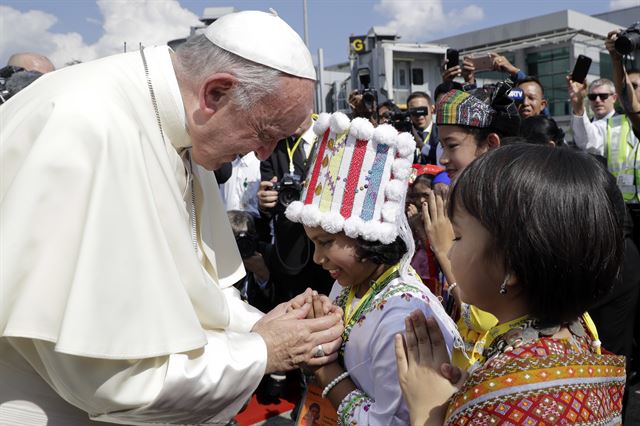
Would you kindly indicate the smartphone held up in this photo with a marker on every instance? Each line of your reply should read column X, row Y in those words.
column 453, row 58
column 581, row 69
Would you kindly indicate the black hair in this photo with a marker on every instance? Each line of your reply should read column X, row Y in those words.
column 445, row 87
column 511, row 140
column 389, row 105
column 540, row 130
column 381, row 254
column 553, row 216
column 424, row 178
column 633, row 71
column 531, row 79
column 241, row 221
column 415, row 95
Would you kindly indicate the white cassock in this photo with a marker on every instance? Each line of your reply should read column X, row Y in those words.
column 107, row 311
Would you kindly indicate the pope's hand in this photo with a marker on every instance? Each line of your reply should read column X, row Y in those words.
column 292, row 339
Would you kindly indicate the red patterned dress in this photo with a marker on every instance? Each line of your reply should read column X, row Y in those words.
column 531, row 379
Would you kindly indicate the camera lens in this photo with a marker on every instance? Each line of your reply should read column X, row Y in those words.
column 247, row 245
column 288, row 195
column 627, row 42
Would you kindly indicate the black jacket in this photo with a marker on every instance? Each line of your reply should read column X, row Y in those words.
column 291, row 263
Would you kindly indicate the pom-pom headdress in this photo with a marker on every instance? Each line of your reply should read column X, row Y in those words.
column 357, row 180
column 357, row 184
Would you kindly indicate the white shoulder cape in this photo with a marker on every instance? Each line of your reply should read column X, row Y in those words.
column 96, row 252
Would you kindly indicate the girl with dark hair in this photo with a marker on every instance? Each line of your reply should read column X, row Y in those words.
column 519, row 254
column 352, row 209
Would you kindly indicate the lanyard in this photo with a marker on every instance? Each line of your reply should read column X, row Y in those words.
column 425, row 140
column 372, row 291
column 291, row 151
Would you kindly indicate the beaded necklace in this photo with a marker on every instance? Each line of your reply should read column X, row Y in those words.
column 507, row 336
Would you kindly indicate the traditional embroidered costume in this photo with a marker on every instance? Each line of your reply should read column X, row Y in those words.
column 357, row 184
column 529, row 378
column 368, row 351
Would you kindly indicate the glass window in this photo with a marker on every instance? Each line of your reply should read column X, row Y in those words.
column 606, row 70
column 417, row 76
column 551, row 67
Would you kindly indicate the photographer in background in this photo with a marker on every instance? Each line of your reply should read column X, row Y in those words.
column 256, row 287
column 621, row 143
column 31, row 62
column 13, row 80
column 290, row 263
column 386, row 111
column 282, row 175
column 22, row 70
column 424, row 131
column 364, row 103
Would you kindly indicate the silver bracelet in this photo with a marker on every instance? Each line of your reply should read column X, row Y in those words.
column 333, row 383
column 451, row 287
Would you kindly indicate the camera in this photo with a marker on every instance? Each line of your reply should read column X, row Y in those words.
column 289, row 189
column 5, row 75
column 247, row 244
column 401, row 120
column 13, row 79
column 367, row 105
column 628, row 40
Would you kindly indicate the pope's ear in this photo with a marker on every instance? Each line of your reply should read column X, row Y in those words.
column 215, row 91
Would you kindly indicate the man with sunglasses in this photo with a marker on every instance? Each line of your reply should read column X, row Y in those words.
column 420, row 108
column 589, row 134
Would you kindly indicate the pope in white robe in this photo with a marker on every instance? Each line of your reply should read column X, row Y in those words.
column 116, row 303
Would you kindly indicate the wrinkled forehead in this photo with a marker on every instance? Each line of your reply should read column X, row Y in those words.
column 288, row 108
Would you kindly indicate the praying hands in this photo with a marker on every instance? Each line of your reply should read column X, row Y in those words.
column 425, row 374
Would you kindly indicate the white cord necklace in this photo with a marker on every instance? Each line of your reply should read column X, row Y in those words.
column 194, row 235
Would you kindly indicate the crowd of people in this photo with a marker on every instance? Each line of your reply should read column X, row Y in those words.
column 180, row 231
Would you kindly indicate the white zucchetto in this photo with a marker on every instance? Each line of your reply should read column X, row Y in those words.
column 263, row 38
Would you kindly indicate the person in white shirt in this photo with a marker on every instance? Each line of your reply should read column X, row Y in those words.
column 240, row 191
column 589, row 134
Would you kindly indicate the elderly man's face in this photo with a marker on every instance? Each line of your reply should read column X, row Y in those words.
column 231, row 131
column 533, row 102
column 605, row 97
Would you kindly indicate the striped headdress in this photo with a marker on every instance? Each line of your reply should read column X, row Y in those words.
column 461, row 108
column 357, row 180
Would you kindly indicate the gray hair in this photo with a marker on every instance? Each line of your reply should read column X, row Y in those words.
column 602, row 82
column 199, row 58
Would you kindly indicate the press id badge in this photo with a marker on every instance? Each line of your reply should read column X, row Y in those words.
column 625, row 179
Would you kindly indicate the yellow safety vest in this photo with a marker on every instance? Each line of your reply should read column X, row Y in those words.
column 623, row 160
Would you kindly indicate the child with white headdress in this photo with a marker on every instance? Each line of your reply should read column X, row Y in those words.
column 352, row 208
